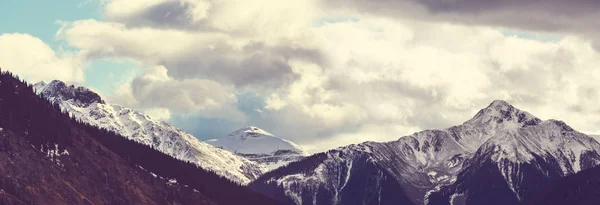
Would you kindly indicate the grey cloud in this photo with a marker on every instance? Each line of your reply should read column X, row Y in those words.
column 431, row 95
column 254, row 69
column 426, row 108
column 169, row 14
column 182, row 96
column 574, row 16
column 293, row 123
column 427, row 115
column 562, row 7
column 587, row 97
column 255, row 64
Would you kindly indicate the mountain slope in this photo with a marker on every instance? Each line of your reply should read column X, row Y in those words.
column 499, row 144
column 524, row 162
column 260, row 146
column 334, row 177
column 88, row 107
column 51, row 176
column 46, row 157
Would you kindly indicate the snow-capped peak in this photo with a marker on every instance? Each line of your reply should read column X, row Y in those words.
column 260, row 146
column 58, row 91
column 253, row 140
column 500, row 112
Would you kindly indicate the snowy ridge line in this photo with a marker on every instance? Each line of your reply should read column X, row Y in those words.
column 88, row 107
column 428, row 163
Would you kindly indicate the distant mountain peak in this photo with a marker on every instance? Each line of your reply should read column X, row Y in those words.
column 250, row 131
column 501, row 112
column 260, row 146
column 59, row 91
column 253, row 140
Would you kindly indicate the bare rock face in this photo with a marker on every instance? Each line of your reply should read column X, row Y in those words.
column 58, row 91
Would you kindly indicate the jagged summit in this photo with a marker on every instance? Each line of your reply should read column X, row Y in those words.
column 501, row 112
column 59, row 91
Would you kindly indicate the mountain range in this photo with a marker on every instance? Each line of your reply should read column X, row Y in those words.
column 501, row 156
column 63, row 144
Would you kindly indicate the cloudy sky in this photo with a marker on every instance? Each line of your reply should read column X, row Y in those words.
column 322, row 73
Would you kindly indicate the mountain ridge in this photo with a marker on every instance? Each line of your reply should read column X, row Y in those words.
column 143, row 129
column 46, row 157
column 428, row 164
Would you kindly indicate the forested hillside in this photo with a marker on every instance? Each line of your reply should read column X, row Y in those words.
column 47, row 157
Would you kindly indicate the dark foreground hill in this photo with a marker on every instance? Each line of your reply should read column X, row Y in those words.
column 582, row 188
column 46, row 157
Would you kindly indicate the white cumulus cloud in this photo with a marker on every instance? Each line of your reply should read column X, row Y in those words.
column 32, row 59
column 330, row 75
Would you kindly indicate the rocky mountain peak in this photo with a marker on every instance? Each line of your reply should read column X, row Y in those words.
column 59, row 91
column 501, row 112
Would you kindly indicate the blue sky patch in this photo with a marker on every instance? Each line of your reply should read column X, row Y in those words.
column 106, row 75
column 39, row 18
